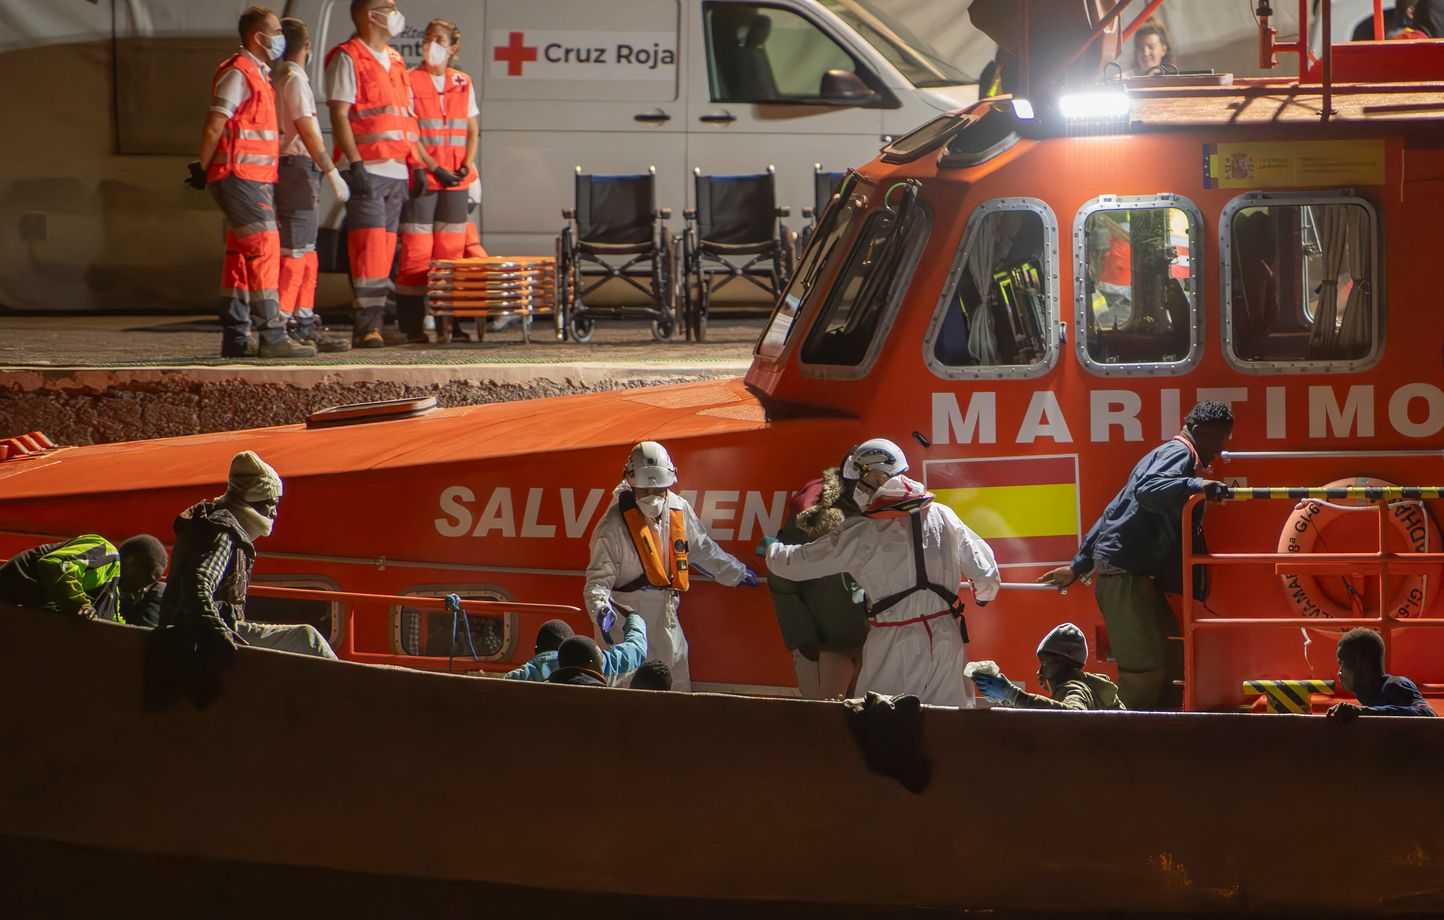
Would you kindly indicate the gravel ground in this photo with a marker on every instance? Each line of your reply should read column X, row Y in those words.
column 98, row 379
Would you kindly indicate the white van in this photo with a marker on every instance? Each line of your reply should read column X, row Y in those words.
column 727, row 86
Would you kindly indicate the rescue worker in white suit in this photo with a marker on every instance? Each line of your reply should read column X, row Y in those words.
column 909, row 554
column 643, row 552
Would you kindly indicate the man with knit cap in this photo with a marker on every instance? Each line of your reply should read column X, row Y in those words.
column 1061, row 656
column 215, row 553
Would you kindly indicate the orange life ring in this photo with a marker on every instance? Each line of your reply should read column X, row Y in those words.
column 1412, row 522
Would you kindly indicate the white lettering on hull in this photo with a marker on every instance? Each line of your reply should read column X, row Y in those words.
column 1414, row 410
column 728, row 514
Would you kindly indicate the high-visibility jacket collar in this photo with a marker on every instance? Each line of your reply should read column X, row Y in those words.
column 250, row 144
column 442, row 118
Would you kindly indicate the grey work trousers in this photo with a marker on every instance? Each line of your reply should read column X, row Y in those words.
column 250, row 276
column 372, row 221
column 301, row 639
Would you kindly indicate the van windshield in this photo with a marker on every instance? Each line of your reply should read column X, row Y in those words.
column 917, row 60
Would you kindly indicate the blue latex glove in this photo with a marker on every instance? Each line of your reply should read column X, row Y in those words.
column 996, row 687
column 749, row 579
column 606, row 619
column 764, row 544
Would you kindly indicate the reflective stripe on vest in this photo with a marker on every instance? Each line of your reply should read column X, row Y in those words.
column 250, row 144
column 671, row 574
column 380, row 119
column 442, row 117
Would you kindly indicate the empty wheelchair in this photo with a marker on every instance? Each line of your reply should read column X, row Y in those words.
column 734, row 232
column 824, row 186
column 615, row 234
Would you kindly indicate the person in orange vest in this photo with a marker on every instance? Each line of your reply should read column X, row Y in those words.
column 433, row 223
column 369, row 96
column 240, row 151
column 304, row 163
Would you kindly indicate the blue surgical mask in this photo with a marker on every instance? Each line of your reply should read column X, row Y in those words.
column 275, row 45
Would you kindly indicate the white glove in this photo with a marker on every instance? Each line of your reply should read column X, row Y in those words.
column 338, row 185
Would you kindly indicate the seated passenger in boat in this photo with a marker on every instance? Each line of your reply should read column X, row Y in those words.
column 619, row 661
column 579, row 663
column 1061, row 656
column 215, row 553
column 86, row 577
column 1361, row 672
column 652, row 675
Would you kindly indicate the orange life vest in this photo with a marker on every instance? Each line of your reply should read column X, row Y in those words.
column 442, row 118
column 381, row 115
column 671, row 574
column 250, row 144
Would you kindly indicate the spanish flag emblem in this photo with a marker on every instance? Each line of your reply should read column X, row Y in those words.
column 1025, row 507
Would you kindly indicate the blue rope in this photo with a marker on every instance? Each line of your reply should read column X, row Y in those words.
column 458, row 619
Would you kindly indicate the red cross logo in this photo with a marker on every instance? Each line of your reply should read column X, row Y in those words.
column 515, row 53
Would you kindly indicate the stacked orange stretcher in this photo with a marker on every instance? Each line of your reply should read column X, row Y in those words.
column 494, row 286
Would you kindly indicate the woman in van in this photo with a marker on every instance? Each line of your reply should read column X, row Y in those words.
column 433, row 222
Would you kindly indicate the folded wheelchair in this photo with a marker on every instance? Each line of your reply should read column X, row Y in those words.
column 615, row 235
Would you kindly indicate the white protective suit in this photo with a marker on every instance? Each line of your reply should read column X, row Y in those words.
column 923, row 658
column 615, row 562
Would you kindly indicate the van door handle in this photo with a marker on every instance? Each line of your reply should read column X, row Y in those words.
column 719, row 118
column 656, row 117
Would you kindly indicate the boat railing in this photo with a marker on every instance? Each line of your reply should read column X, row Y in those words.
column 1381, row 563
column 352, row 603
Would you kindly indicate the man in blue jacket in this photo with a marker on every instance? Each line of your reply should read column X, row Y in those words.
column 1135, row 552
column 618, row 661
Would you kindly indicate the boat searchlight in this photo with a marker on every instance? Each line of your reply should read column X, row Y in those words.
column 1096, row 110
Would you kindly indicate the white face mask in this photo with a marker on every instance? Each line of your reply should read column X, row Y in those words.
column 437, row 54
column 394, row 22
column 862, row 494
column 652, row 505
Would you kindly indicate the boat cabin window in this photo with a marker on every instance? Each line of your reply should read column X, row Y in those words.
column 818, row 261
column 326, row 616
column 866, row 291
column 760, row 54
column 1138, row 285
column 1300, row 284
column 415, row 631
column 999, row 313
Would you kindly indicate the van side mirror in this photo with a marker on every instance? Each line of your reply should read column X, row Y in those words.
column 843, row 87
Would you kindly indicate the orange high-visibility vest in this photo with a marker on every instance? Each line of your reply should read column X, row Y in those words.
column 442, row 117
column 381, row 115
column 657, row 573
column 250, row 145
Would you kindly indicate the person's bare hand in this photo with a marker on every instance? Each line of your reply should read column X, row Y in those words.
column 86, row 613
column 1345, row 712
column 1214, row 491
column 1060, row 578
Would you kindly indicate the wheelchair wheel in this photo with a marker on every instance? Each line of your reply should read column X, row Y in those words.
column 699, row 316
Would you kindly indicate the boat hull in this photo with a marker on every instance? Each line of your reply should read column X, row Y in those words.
column 318, row 768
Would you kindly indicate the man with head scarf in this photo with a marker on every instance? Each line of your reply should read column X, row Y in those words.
column 1061, row 656
column 215, row 553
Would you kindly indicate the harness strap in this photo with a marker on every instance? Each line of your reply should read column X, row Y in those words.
column 922, row 583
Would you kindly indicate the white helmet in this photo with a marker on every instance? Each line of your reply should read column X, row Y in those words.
column 877, row 454
column 649, row 467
